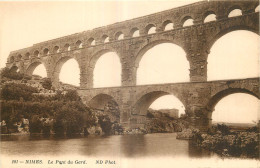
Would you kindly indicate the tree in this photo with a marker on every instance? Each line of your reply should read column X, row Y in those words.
column 72, row 95
column 105, row 124
column 11, row 74
column 35, row 124
column 46, row 83
column 17, row 91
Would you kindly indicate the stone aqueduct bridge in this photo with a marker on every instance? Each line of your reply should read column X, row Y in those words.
column 198, row 96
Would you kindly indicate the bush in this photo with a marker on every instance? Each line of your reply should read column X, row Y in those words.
column 105, row 124
column 11, row 74
column 224, row 129
column 150, row 115
column 35, row 125
column 184, row 117
column 59, row 127
column 253, row 129
column 46, row 129
column 46, row 83
column 237, row 144
column 27, row 77
column 69, row 118
column 116, row 127
column 72, row 95
column 17, row 91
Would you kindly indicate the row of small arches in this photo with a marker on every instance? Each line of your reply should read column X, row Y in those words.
column 45, row 52
column 168, row 24
column 150, row 29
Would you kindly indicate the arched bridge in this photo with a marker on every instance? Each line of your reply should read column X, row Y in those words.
column 199, row 98
column 131, row 39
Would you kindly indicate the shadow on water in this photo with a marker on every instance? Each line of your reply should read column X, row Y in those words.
column 97, row 145
column 133, row 145
column 197, row 152
column 36, row 137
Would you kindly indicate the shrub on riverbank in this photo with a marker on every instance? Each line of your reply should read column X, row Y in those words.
column 35, row 125
column 228, row 143
column 71, row 118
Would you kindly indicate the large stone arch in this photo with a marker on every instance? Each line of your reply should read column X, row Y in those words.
column 98, row 101
column 58, row 65
column 31, row 67
column 218, row 29
column 213, row 101
column 99, row 53
column 93, row 60
column 153, row 43
column 253, row 27
column 107, row 104
column 144, row 99
column 223, row 93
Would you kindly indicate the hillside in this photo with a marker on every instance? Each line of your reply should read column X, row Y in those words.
column 29, row 104
column 32, row 105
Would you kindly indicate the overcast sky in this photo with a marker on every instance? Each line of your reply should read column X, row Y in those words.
column 26, row 23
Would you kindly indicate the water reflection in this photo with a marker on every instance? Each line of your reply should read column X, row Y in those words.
column 100, row 146
column 133, row 145
column 130, row 146
column 196, row 152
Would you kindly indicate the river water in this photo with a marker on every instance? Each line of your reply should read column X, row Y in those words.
column 133, row 147
column 164, row 144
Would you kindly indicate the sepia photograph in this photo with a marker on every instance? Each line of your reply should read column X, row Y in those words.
column 129, row 84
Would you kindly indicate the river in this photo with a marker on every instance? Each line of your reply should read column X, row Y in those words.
column 164, row 144
column 159, row 145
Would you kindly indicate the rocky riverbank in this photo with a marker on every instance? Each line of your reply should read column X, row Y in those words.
column 242, row 144
column 187, row 134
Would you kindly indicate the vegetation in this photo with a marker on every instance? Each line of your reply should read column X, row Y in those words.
column 65, row 110
column 159, row 122
column 17, row 92
column 229, row 143
column 11, row 74
column 61, row 113
column 105, row 124
column 47, row 84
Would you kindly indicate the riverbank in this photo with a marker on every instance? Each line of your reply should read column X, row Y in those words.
column 226, row 143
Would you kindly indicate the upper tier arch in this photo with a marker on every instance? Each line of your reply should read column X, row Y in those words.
column 99, row 53
column 253, row 27
column 150, row 45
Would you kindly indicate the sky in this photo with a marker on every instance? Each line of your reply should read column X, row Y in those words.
column 26, row 23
